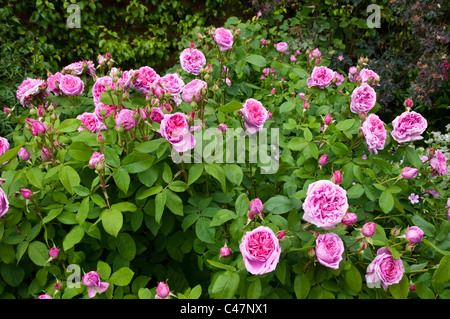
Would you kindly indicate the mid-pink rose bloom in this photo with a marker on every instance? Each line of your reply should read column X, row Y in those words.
column 53, row 83
column 80, row 67
column 192, row 90
column 192, row 60
column 255, row 115
column 4, row 145
column 260, row 249
column 282, row 47
column 414, row 234
column 92, row 281
column 374, row 133
column 156, row 115
column 224, row 38
column 91, row 122
column 325, row 204
column 4, row 203
column 368, row 77
column 71, row 85
column 321, row 76
column 329, row 250
column 125, row 119
column 408, row 127
column 29, row 88
column 96, row 158
column 438, row 164
column 363, row 99
column 146, row 78
column 175, row 129
column 384, row 270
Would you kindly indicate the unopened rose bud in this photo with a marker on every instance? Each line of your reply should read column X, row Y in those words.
column 23, row 154
column 323, row 160
column 408, row 103
column 225, row 251
column 414, row 234
column 349, row 219
column 337, row 177
column 57, row 286
column 256, row 206
column 328, row 119
column 311, row 253
column 409, row 172
column 409, row 247
column 395, row 232
column 412, row 288
column 280, row 235
column 222, row 127
column 162, row 290
column 368, row 229
column 26, row 193
column 305, row 105
column 54, row 252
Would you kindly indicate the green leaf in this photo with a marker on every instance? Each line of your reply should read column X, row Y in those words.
column 427, row 228
column 225, row 285
column 195, row 293
column 149, row 192
column 353, row 279
column 220, row 265
column 222, row 216
column 69, row 125
column 195, row 172
column 121, row 277
column 297, row 144
column 428, row 243
column 218, row 173
column 442, row 274
column 356, row 191
column 75, row 235
column 234, row 174
column 400, row 290
column 230, row 107
column 412, row 157
column 160, row 202
column 204, row 231
column 386, row 201
column 103, row 269
column 279, row 204
column 345, row 125
column 137, row 162
column 12, row 275
column 112, row 221
column 174, row 202
column 9, row 154
column 83, row 211
column 35, row 177
column 339, row 149
column 122, row 179
column 302, row 286
column 80, row 151
column 178, row 186
column 287, row 107
column 254, row 289
column 124, row 207
column 126, row 246
column 69, row 178
column 256, row 60
column 38, row 253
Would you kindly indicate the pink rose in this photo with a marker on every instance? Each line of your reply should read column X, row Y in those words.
column 438, row 164
column 374, row 133
column 175, row 129
column 409, row 172
column 224, row 38
column 125, row 119
column 325, row 204
column 4, row 146
column 315, row 54
column 45, row 296
column 53, row 83
column 31, row 88
column 96, row 158
column 321, row 76
column 23, row 154
column 414, row 234
column 156, row 115
column 261, row 250
column 225, row 251
column 282, row 47
column 92, row 281
column 323, row 160
column 193, row 90
column 71, row 85
column 329, row 250
column 4, row 203
column 37, row 127
column 78, row 68
column 337, row 177
column 352, row 74
column 53, row 252
column 368, row 229
column 222, row 127
column 369, row 77
column 256, row 207
column 349, row 219
column 146, row 78
column 91, row 122
column 192, row 60
column 162, row 290
column 26, row 193
column 173, row 83
column 45, row 154
column 255, row 115
column 384, row 270
column 408, row 127
column 127, row 78
column 338, row 78
column 364, row 98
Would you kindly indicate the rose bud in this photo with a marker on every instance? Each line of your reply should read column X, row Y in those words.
column 409, row 172
column 225, row 251
column 305, row 105
column 57, row 286
column 408, row 103
column 26, row 193
column 337, row 177
column 349, row 219
column 368, row 229
column 414, row 234
column 328, row 119
column 395, row 232
column 256, row 207
column 323, row 159
column 222, row 127
column 409, row 247
column 23, row 154
column 162, row 291
column 412, row 288
column 53, row 252
column 280, row 235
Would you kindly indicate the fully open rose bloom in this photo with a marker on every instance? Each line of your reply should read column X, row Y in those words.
column 79, row 67
column 408, row 127
column 414, row 234
column 125, row 119
column 384, row 270
column 255, row 114
column 224, row 38
column 30, row 88
column 193, row 90
column 438, row 164
column 261, row 250
column 71, row 85
column 282, row 47
column 146, row 78
column 96, row 158
column 4, row 145
column 53, row 83
column 321, row 76
column 364, row 98
column 368, row 77
column 374, row 133
column 4, row 203
column 173, row 83
column 175, row 129
column 192, row 60
column 329, row 250
column 91, row 122
column 92, row 281
column 325, row 204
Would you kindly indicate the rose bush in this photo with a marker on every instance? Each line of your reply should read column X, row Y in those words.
column 124, row 185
